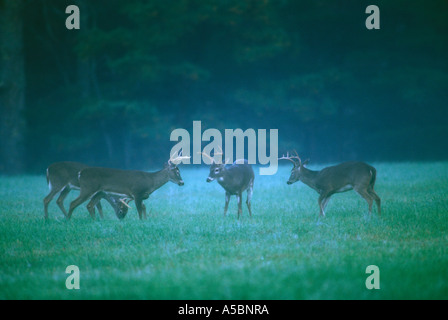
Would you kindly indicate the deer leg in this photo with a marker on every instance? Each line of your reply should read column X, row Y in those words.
column 363, row 193
column 249, row 198
column 99, row 207
column 144, row 211
column 83, row 196
column 240, row 209
column 91, row 208
column 321, row 200
column 325, row 202
column 48, row 199
column 95, row 201
column 227, row 203
column 376, row 198
column 61, row 198
column 141, row 209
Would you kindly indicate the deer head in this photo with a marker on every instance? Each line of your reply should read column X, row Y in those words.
column 297, row 170
column 217, row 169
column 173, row 170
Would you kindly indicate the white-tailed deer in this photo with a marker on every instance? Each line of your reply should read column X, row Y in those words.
column 129, row 184
column 62, row 177
column 235, row 179
column 346, row 176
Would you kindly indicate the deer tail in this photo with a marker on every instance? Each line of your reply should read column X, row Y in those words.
column 48, row 180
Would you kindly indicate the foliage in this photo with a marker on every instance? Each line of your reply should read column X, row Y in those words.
column 138, row 69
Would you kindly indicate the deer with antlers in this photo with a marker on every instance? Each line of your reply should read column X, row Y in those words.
column 128, row 184
column 343, row 177
column 62, row 177
column 235, row 179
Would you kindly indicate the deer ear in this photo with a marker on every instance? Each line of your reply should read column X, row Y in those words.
column 305, row 162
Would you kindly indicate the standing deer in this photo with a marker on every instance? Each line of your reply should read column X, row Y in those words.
column 235, row 179
column 62, row 177
column 346, row 176
column 129, row 184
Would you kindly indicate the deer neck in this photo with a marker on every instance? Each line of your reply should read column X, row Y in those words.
column 158, row 179
column 224, row 179
column 308, row 177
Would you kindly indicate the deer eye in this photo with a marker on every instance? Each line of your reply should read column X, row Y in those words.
column 216, row 170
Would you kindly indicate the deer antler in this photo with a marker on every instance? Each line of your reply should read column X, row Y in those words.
column 179, row 158
column 291, row 158
column 210, row 158
column 220, row 153
column 297, row 157
column 124, row 202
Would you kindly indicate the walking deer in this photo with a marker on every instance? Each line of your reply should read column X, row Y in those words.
column 62, row 177
column 343, row 177
column 235, row 179
column 129, row 184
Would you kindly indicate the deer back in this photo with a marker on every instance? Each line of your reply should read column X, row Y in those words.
column 237, row 177
column 110, row 180
column 126, row 182
column 64, row 172
column 345, row 175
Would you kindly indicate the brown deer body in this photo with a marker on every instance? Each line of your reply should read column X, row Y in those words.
column 62, row 177
column 235, row 179
column 358, row 176
column 129, row 184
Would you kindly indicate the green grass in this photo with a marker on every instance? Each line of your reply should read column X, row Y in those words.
column 186, row 249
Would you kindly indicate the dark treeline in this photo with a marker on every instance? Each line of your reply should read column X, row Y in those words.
column 111, row 93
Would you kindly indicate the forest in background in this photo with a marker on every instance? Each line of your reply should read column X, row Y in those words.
column 111, row 93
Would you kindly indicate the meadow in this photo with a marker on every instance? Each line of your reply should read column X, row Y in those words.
column 187, row 249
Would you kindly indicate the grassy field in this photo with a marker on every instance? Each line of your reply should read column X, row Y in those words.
column 186, row 249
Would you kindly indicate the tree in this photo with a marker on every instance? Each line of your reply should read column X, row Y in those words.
column 12, row 87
